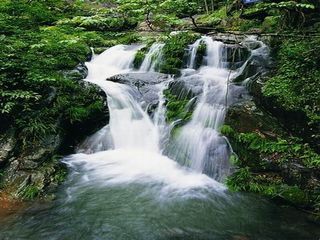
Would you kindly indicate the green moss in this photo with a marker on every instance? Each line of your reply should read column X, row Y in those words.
column 212, row 19
column 247, row 25
column 268, row 185
column 30, row 192
column 177, row 108
column 282, row 150
column 174, row 51
column 227, row 130
column 271, row 24
column 139, row 57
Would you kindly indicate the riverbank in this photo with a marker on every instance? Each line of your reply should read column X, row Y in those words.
column 9, row 207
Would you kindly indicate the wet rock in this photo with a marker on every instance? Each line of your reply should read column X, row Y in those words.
column 229, row 38
column 139, row 79
column 144, row 87
column 80, row 72
column 182, row 90
column 235, row 53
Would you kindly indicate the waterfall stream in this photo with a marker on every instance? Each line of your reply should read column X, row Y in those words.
column 199, row 144
column 131, row 180
column 152, row 58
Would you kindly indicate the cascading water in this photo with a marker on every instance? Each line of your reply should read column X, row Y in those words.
column 160, row 115
column 199, row 144
column 193, row 49
column 121, row 186
column 136, row 138
column 153, row 57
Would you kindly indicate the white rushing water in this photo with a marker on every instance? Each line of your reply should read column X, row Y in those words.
column 199, row 144
column 153, row 57
column 193, row 49
column 129, row 148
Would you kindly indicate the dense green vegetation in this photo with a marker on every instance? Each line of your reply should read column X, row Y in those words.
column 294, row 87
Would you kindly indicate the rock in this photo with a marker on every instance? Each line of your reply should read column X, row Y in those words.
column 7, row 145
column 247, row 117
column 235, row 53
column 228, row 38
column 79, row 73
column 144, row 87
column 139, row 79
column 183, row 90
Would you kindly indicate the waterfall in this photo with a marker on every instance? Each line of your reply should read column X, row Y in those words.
column 213, row 55
column 193, row 49
column 152, row 59
column 160, row 115
column 129, row 148
column 130, row 126
column 199, row 144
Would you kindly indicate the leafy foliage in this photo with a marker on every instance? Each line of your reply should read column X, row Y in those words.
column 295, row 85
column 34, row 60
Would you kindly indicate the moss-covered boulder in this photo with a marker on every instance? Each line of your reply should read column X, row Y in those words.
column 269, row 161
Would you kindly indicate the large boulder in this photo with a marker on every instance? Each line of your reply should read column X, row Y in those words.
column 139, row 79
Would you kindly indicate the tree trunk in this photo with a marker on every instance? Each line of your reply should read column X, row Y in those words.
column 149, row 23
column 206, row 6
column 194, row 21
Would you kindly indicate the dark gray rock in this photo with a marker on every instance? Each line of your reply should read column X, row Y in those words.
column 246, row 117
column 80, row 72
column 235, row 53
column 139, row 79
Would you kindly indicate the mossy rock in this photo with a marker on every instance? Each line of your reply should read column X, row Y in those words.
column 179, row 106
column 174, row 51
column 139, row 57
